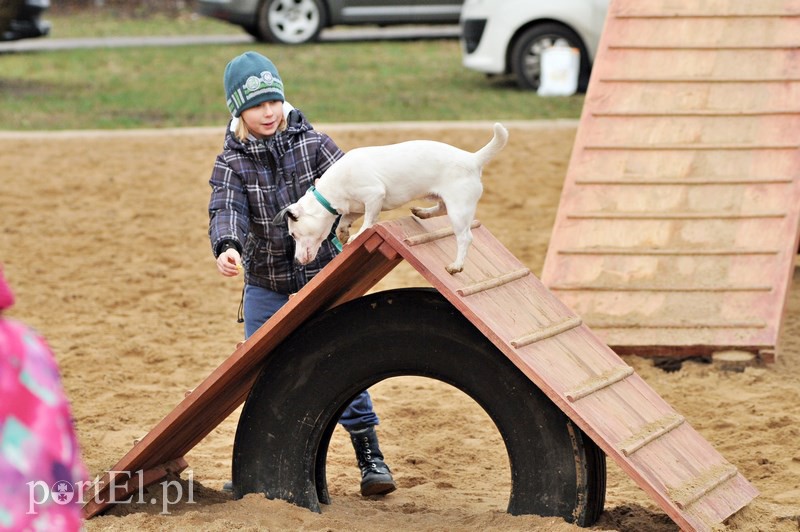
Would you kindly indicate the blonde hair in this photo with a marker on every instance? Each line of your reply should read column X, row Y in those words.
column 242, row 132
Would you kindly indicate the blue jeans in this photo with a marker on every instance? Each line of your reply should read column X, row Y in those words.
column 259, row 305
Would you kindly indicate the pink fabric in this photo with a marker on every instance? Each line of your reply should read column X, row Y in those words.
column 40, row 464
column 6, row 296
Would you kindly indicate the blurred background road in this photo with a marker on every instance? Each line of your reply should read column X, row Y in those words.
column 327, row 35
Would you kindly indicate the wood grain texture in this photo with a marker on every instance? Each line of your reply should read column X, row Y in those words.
column 681, row 203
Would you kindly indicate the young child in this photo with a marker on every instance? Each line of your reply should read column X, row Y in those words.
column 271, row 156
column 40, row 463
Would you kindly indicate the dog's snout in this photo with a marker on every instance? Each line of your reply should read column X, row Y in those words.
column 304, row 256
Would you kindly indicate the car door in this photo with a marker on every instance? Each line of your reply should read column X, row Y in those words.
column 370, row 11
column 436, row 11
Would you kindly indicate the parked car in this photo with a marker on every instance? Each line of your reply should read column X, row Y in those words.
column 21, row 19
column 508, row 36
column 300, row 21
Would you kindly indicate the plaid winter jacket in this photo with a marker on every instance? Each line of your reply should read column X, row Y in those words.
column 253, row 181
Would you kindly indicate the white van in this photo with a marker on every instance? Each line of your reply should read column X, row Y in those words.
column 507, row 36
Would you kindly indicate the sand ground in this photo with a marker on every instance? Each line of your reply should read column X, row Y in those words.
column 103, row 237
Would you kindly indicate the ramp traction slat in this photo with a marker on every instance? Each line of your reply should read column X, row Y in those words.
column 599, row 382
column 488, row 284
column 547, row 332
column 649, row 433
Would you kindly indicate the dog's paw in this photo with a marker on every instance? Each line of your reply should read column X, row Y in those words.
column 343, row 234
column 453, row 268
column 423, row 213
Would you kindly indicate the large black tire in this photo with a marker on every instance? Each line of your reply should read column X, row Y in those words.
column 286, row 424
column 526, row 54
column 290, row 21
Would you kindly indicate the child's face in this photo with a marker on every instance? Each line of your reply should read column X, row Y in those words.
column 263, row 120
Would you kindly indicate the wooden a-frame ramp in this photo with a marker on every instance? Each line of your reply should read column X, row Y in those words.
column 651, row 442
column 677, row 230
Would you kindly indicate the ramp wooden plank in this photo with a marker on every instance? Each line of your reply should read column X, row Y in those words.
column 582, row 375
column 678, row 223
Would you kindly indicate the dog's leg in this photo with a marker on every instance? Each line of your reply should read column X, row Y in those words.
column 343, row 229
column 463, row 241
column 372, row 211
column 461, row 215
column 429, row 212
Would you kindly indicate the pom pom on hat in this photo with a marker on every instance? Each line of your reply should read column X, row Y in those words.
column 251, row 79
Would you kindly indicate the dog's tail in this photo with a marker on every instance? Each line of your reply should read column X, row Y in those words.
column 483, row 155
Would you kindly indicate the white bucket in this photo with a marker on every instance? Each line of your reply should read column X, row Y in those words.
column 560, row 66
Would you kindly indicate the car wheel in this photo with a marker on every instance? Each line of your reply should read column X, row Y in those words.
column 526, row 54
column 254, row 31
column 290, row 21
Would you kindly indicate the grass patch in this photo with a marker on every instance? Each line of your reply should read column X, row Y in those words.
column 179, row 86
column 116, row 23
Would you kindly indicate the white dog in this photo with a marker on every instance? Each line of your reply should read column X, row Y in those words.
column 371, row 179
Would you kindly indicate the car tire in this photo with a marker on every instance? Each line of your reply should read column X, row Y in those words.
column 526, row 54
column 8, row 12
column 290, row 21
column 254, row 31
column 284, row 430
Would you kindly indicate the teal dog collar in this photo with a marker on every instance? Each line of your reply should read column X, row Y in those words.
column 321, row 199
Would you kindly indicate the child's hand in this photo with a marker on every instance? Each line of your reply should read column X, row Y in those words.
column 229, row 263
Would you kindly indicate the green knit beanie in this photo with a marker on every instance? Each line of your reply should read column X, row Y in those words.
column 251, row 79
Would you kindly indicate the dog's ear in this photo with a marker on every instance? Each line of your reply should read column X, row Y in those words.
column 280, row 218
column 293, row 212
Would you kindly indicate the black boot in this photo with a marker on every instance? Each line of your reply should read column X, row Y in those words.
column 376, row 477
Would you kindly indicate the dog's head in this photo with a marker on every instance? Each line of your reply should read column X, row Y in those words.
column 309, row 225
